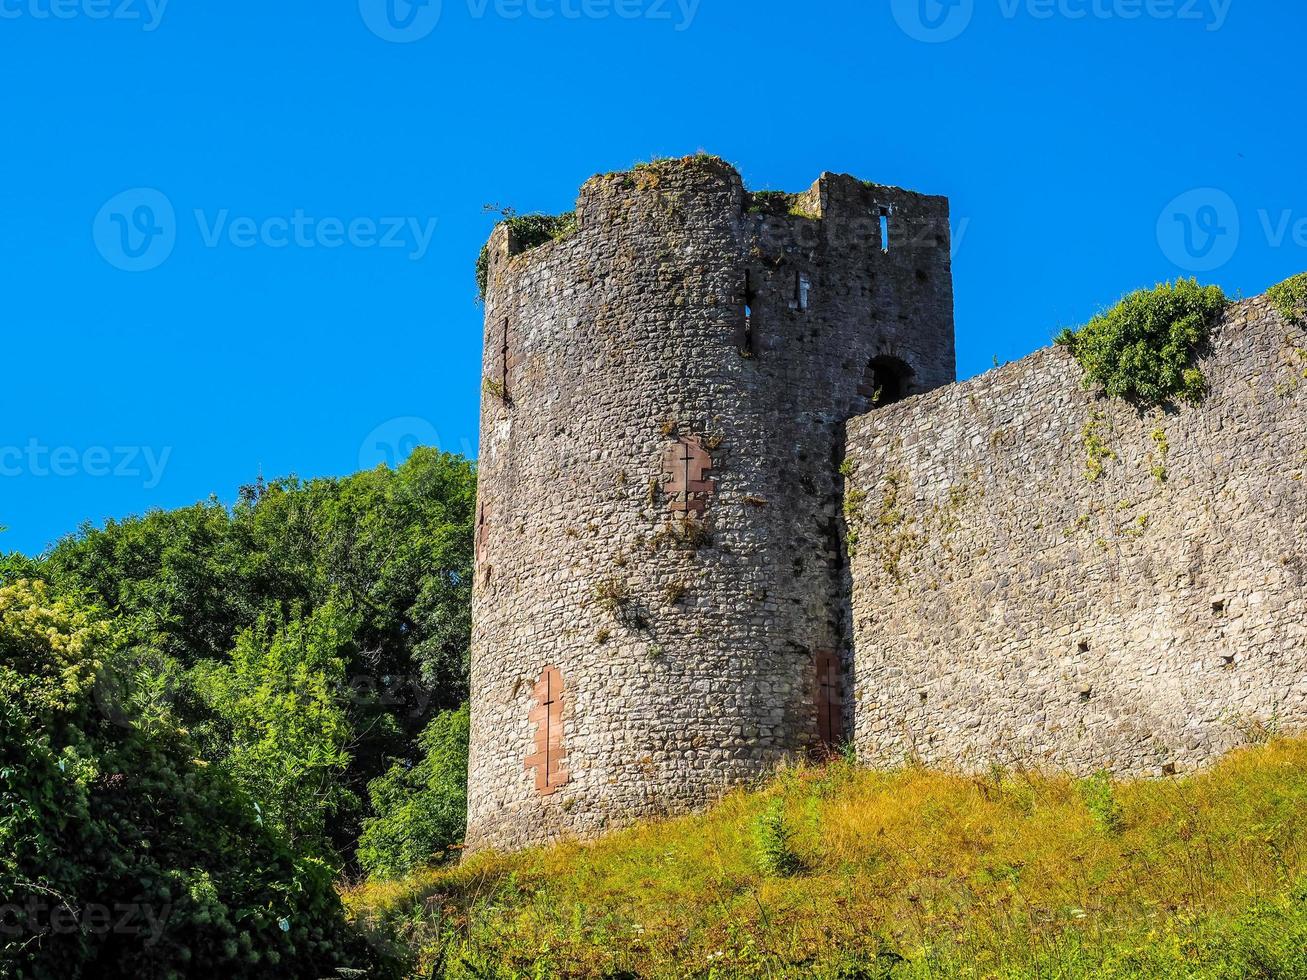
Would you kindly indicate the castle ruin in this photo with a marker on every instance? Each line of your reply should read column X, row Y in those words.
column 733, row 510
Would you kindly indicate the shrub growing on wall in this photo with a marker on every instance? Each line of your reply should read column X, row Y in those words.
column 1290, row 299
column 1143, row 348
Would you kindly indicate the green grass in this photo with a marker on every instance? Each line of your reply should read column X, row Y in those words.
column 904, row 874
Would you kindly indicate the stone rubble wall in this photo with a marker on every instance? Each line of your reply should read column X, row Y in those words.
column 1010, row 610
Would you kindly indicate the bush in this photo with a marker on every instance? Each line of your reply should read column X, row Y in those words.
column 280, row 724
column 1143, row 348
column 421, row 809
column 121, row 853
column 1290, row 299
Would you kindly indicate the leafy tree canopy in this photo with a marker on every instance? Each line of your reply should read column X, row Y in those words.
column 305, row 637
column 122, row 854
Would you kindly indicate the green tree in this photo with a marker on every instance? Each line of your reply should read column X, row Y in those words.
column 393, row 546
column 307, row 635
column 279, row 723
column 121, row 853
column 421, row 810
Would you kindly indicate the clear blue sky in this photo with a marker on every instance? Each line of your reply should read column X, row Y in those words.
column 1066, row 133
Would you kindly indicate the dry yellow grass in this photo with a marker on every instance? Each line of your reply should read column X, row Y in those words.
column 908, row 873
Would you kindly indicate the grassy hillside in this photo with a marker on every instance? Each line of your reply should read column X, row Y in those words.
column 842, row 872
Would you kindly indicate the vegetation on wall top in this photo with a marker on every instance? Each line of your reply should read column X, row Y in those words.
column 1143, row 348
column 529, row 231
column 1290, row 299
column 533, row 230
column 772, row 202
column 701, row 159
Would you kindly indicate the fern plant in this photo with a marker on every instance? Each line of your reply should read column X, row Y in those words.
column 773, row 842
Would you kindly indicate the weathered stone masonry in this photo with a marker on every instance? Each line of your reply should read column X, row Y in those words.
column 659, row 514
column 1042, row 576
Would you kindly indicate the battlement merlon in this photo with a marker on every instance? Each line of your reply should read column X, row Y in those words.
column 839, row 211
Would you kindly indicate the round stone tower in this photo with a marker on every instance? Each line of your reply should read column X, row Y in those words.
column 660, row 605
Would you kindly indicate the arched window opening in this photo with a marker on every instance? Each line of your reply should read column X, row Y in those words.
column 886, row 381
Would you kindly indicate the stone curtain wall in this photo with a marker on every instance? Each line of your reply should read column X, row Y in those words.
column 686, row 651
column 1010, row 609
